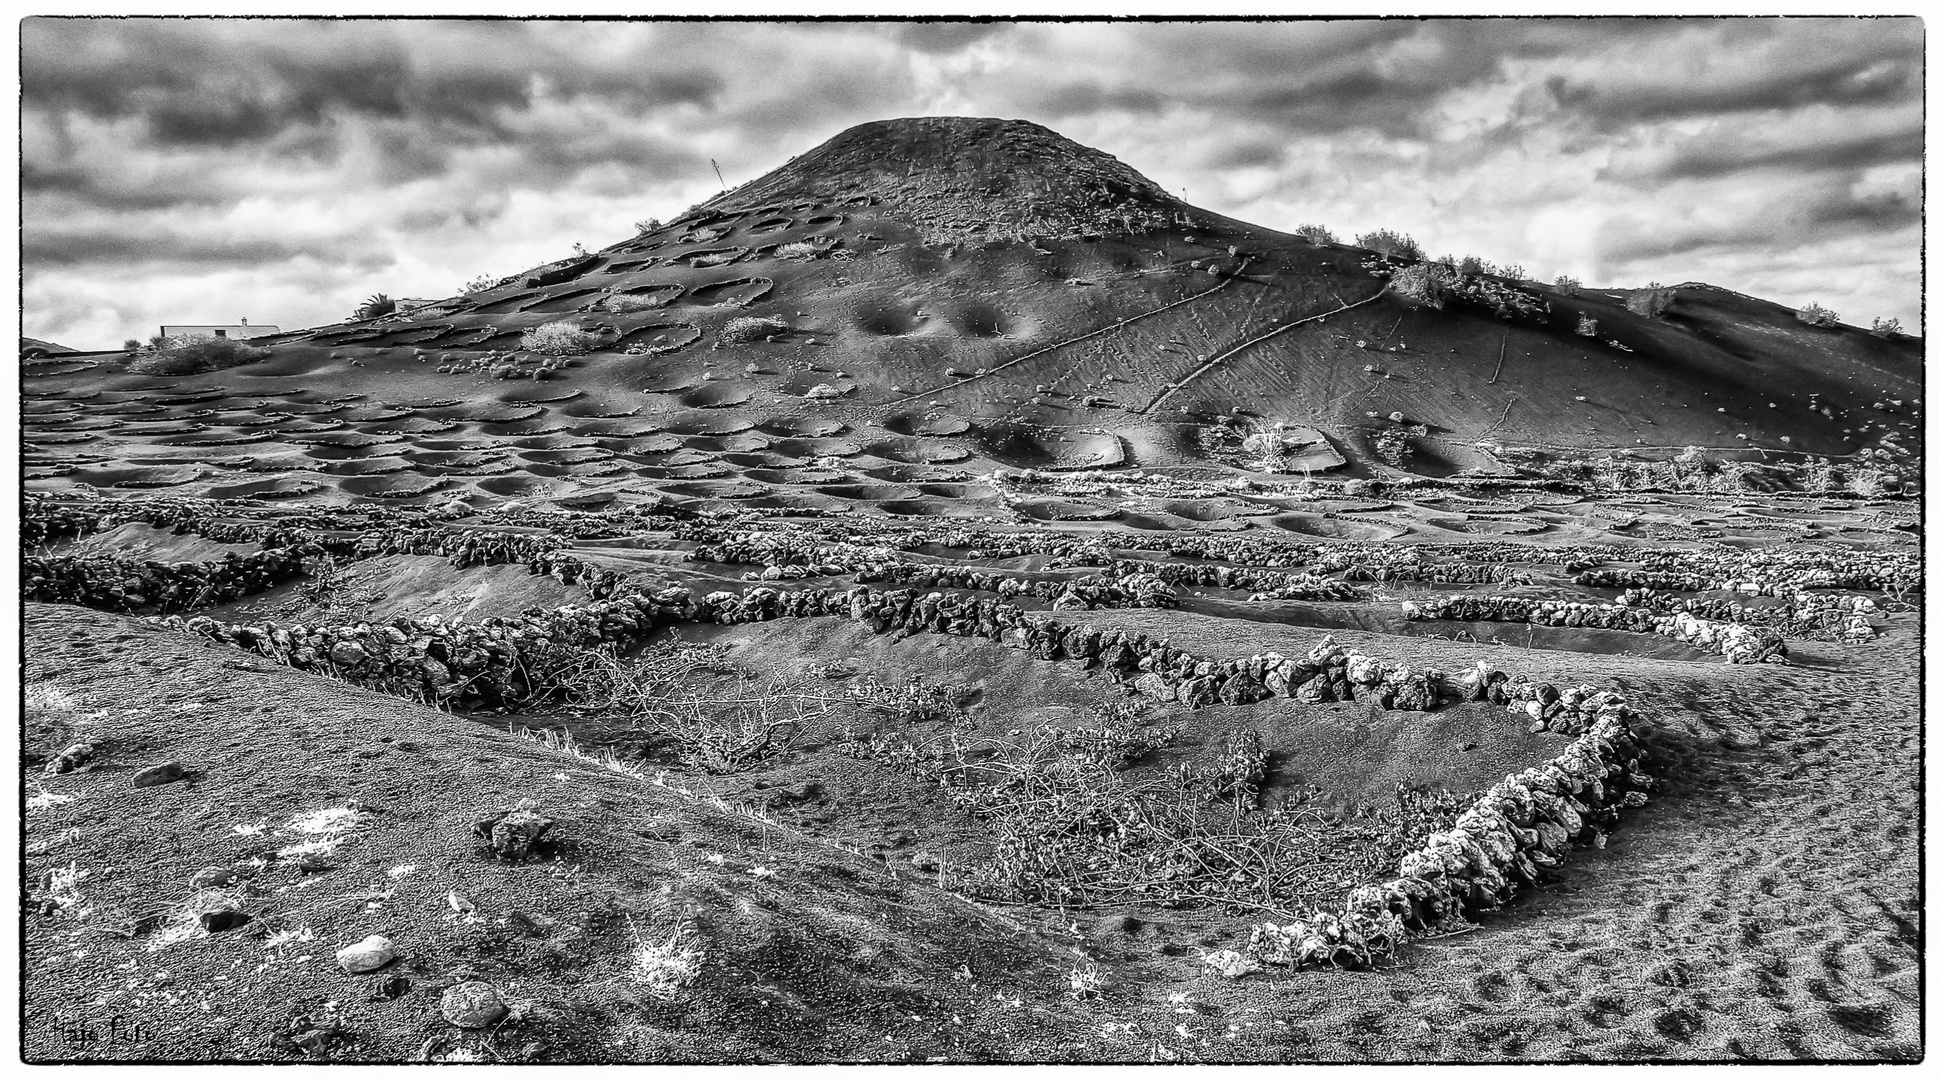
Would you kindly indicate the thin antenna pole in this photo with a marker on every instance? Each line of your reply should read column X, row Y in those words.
column 716, row 174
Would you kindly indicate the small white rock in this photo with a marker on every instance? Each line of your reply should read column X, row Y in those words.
column 367, row 955
column 1230, row 963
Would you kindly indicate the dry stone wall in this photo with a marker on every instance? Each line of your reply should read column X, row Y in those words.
column 1734, row 642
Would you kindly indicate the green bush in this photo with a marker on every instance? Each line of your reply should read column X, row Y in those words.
column 1817, row 315
column 1471, row 265
column 1388, row 242
column 1318, row 234
column 191, row 355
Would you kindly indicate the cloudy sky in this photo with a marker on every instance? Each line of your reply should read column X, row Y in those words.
column 205, row 170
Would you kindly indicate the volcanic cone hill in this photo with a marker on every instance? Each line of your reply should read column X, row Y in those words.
column 978, row 293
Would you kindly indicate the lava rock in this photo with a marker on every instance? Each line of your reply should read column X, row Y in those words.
column 214, row 877
column 472, row 1005
column 166, row 773
column 514, row 834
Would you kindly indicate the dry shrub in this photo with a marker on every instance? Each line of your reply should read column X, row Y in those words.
column 1424, row 285
column 1817, row 315
column 714, row 732
column 1071, row 826
column 559, row 339
column 623, row 304
column 190, row 355
column 750, row 328
column 1651, row 302
column 1388, row 242
column 1318, row 234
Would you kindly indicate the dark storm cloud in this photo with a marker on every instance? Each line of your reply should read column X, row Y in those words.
column 1748, row 65
column 1057, row 102
column 1883, row 211
column 60, row 246
column 200, row 82
column 1249, row 154
column 1721, row 155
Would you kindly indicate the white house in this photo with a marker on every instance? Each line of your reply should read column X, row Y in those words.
column 240, row 330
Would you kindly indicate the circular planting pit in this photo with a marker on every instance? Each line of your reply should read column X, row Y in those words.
column 369, row 466
column 540, row 397
column 717, row 395
column 1334, row 528
column 711, row 426
column 924, row 425
column 737, row 292
column 561, row 302
column 657, row 295
column 658, row 339
column 946, row 455
column 617, row 429
column 711, row 257
column 419, row 335
column 633, row 266
column 1069, row 510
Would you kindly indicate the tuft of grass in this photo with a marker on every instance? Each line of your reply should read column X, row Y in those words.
column 562, row 741
column 795, row 250
column 49, row 717
column 1088, row 981
column 666, row 967
column 64, row 886
column 192, row 355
